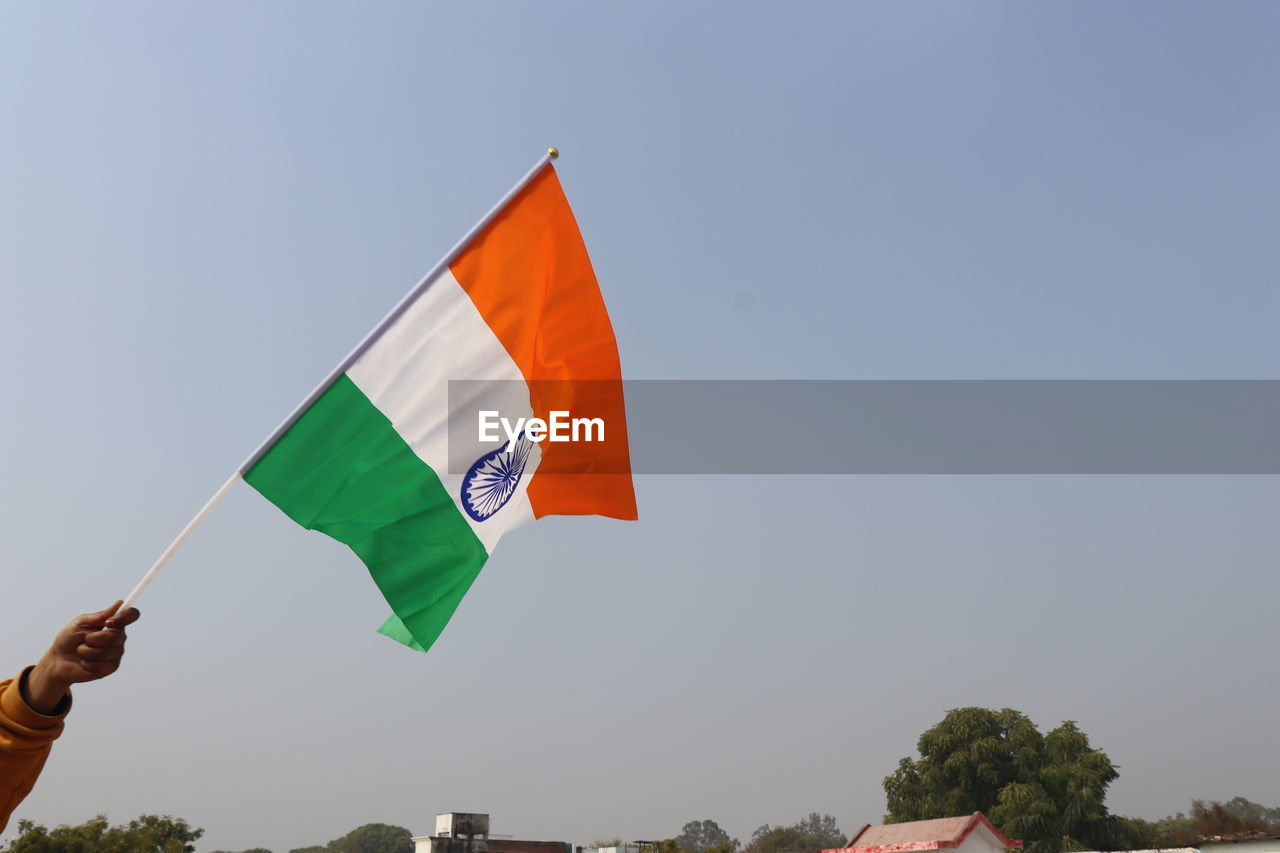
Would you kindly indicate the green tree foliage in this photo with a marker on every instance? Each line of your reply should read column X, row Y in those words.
column 374, row 838
column 250, row 850
column 965, row 761
column 1171, row 829
column 1248, row 810
column 1207, row 820
column 1237, row 816
column 667, row 845
column 699, row 836
column 1146, row 835
column 813, row 834
column 146, row 834
column 370, row 838
column 1061, row 806
column 821, row 828
column 1047, row 790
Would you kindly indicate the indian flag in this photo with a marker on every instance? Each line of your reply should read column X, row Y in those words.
column 519, row 314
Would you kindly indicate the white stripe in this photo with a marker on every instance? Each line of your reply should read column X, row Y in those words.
column 442, row 336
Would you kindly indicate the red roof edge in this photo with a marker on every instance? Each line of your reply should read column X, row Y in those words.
column 980, row 818
column 905, row 847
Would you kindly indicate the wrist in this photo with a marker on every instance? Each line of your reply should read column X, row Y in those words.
column 43, row 692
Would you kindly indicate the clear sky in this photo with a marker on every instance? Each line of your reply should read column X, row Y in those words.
column 202, row 207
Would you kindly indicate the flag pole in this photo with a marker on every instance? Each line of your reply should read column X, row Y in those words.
column 182, row 537
column 350, row 359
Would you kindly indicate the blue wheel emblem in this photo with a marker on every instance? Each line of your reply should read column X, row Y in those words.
column 492, row 479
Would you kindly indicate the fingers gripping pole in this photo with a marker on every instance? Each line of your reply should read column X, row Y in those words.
column 182, row 537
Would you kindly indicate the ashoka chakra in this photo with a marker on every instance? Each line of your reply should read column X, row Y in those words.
column 492, row 479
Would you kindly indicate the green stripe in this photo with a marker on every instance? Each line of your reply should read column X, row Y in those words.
column 342, row 469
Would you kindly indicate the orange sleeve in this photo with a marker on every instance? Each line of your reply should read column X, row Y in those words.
column 25, row 740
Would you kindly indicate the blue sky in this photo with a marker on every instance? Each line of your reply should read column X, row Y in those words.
column 202, row 209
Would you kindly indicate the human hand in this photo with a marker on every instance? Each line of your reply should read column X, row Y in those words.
column 89, row 648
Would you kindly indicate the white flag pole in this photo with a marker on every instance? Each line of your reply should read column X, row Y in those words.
column 182, row 537
column 350, row 359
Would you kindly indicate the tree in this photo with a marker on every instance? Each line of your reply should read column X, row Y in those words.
column 821, row 829
column 666, row 845
column 1062, row 806
column 251, row 850
column 314, row 848
column 1250, row 811
column 774, row 839
column 965, row 761
column 701, row 835
column 813, row 834
column 1146, row 835
column 1047, row 790
column 374, row 838
column 1212, row 819
column 145, row 834
column 1236, row 815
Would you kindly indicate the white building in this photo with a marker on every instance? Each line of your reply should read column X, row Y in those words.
column 456, row 832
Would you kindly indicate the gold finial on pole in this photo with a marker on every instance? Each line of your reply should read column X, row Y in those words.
column 554, row 152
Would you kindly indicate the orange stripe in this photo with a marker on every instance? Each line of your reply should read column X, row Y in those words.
column 529, row 275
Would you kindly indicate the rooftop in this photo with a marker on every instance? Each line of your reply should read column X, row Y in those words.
column 943, row 833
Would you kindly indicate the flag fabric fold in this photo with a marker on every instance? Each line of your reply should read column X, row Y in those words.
column 519, row 312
